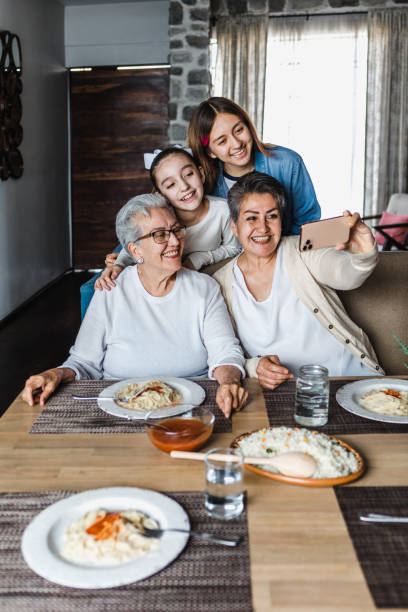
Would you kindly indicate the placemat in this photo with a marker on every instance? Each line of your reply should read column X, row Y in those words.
column 382, row 549
column 64, row 415
column 204, row 577
column 280, row 406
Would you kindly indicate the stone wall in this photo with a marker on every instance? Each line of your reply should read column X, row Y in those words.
column 189, row 33
column 189, row 25
column 222, row 8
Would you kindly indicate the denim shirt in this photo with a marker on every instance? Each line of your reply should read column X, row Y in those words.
column 288, row 168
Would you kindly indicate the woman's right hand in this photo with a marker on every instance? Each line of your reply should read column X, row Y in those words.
column 271, row 373
column 39, row 387
column 106, row 280
column 110, row 259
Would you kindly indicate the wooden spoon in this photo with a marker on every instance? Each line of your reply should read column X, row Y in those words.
column 295, row 464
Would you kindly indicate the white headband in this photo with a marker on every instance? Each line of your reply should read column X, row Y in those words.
column 149, row 157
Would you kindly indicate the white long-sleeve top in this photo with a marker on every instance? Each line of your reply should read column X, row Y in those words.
column 208, row 242
column 282, row 325
column 314, row 276
column 127, row 332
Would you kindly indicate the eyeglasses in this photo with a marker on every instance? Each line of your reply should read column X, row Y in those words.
column 161, row 235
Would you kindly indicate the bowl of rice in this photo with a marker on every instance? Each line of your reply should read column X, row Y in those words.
column 337, row 462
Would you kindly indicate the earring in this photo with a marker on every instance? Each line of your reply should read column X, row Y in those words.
column 140, row 260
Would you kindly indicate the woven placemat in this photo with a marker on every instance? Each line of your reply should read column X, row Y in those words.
column 204, row 577
column 280, row 406
column 382, row 549
column 64, row 415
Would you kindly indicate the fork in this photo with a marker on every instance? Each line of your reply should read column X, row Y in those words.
column 372, row 517
column 210, row 537
column 97, row 397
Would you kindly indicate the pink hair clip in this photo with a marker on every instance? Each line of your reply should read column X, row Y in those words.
column 205, row 140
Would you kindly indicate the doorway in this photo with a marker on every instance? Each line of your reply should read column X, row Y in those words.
column 116, row 116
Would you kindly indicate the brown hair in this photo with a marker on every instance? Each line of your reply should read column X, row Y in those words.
column 162, row 155
column 199, row 130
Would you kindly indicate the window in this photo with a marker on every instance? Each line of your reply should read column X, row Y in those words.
column 315, row 102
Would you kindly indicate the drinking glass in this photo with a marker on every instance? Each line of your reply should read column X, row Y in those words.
column 224, row 494
column 312, row 396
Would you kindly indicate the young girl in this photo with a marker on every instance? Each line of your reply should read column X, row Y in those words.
column 225, row 143
column 208, row 238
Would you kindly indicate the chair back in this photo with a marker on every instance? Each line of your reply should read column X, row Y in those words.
column 398, row 204
column 380, row 307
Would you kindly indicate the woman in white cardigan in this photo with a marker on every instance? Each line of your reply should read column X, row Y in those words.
column 282, row 302
column 162, row 319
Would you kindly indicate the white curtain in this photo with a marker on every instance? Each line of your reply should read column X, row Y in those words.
column 315, row 96
column 240, row 63
column 387, row 108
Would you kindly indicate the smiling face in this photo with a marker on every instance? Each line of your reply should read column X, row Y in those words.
column 259, row 225
column 180, row 181
column 159, row 259
column 231, row 142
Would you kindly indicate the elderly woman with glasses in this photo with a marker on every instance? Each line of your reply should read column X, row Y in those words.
column 162, row 319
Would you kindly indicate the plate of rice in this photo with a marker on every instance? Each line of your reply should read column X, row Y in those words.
column 378, row 399
column 92, row 540
column 162, row 393
column 337, row 462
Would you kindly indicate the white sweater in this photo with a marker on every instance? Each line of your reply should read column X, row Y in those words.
column 208, row 242
column 127, row 332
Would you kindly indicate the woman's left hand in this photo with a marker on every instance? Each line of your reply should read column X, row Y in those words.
column 361, row 239
column 231, row 395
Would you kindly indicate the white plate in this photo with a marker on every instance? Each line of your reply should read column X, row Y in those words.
column 349, row 395
column 42, row 539
column 193, row 395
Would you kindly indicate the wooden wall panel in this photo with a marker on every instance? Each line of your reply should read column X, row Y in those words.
column 116, row 116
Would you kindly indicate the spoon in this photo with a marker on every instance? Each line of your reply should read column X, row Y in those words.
column 210, row 537
column 295, row 464
column 182, row 432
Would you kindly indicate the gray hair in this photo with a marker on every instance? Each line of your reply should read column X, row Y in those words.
column 127, row 226
column 255, row 182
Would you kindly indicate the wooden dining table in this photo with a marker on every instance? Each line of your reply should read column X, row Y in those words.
column 301, row 556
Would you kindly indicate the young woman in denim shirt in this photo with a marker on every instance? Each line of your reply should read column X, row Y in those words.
column 226, row 145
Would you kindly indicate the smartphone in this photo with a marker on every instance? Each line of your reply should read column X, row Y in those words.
column 324, row 233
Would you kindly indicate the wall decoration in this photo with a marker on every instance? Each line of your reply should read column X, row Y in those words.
column 11, row 131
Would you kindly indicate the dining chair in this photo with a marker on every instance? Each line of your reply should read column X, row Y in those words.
column 392, row 231
column 379, row 307
column 87, row 289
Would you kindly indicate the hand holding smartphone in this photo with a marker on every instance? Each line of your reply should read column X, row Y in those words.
column 324, row 233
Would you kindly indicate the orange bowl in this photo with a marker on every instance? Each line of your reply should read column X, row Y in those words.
column 186, row 431
column 306, row 482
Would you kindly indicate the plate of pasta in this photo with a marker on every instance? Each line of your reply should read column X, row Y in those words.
column 379, row 399
column 135, row 397
column 92, row 540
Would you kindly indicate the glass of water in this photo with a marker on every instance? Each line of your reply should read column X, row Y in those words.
column 312, row 396
column 224, row 493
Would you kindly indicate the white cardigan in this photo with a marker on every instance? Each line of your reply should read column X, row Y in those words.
column 314, row 276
